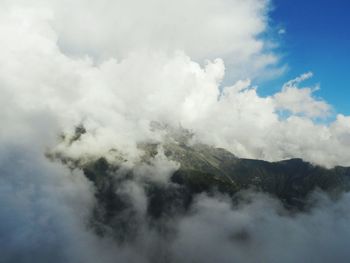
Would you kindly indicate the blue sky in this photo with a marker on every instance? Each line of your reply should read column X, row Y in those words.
column 316, row 39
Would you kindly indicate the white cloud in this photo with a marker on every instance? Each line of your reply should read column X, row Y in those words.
column 117, row 99
column 116, row 66
column 300, row 100
column 202, row 29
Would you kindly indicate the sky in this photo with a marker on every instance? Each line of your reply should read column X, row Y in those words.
column 314, row 36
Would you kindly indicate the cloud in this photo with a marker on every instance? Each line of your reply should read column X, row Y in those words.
column 281, row 31
column 116, row 67
column 260, row 230
column 300, row 100
column 118, row 99
column 42, row 210
column 202, row 29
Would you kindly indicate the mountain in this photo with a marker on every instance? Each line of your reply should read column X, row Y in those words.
column 202, row 170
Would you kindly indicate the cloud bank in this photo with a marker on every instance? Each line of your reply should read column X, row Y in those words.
column 117, row 99
column 116, row 67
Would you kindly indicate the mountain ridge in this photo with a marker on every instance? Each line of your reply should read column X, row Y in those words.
column 201, row 169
